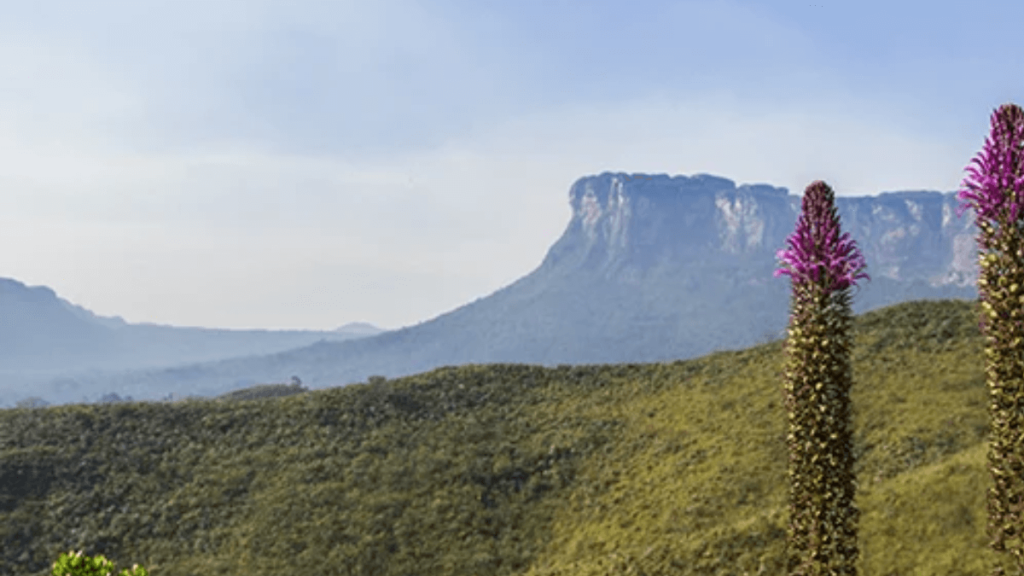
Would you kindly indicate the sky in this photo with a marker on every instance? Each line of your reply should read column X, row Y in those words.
column 303, row 164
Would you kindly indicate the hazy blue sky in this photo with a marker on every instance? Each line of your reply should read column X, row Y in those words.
column 304, row 164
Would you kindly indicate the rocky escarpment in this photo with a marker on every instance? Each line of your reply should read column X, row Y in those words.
column 626, row 224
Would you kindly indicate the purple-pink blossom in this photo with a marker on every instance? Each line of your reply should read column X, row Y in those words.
column 996, row 183
column 817, row 252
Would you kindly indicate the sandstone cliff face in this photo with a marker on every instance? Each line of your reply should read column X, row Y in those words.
column 624, row 224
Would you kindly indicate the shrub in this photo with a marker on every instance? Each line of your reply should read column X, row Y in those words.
column 77, row 565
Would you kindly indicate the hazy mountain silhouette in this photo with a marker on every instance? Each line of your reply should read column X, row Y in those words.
column 43, row 337
column 649, row 268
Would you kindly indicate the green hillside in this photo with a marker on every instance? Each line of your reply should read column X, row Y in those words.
column 644, row 469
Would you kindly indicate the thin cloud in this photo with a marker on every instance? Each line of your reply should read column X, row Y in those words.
column 310, row 163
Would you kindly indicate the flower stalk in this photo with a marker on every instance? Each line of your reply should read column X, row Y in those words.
column 994, row 187
column 822, row 533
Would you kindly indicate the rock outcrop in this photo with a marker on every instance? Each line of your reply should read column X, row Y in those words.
column 626, row 224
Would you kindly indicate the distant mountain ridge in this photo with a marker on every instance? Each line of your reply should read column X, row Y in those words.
column 650, row 268
column 43, row 337
column 363, row 328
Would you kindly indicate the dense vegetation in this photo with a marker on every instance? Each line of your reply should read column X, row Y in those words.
column 647, row 469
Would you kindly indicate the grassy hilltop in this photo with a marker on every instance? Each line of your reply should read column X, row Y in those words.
column 646, row 469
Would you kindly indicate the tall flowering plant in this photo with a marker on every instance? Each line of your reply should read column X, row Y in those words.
column 995, row 188
column 822, row 533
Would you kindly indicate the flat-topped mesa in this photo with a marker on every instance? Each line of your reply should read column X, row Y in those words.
column 639, row 221
column 650, row 268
